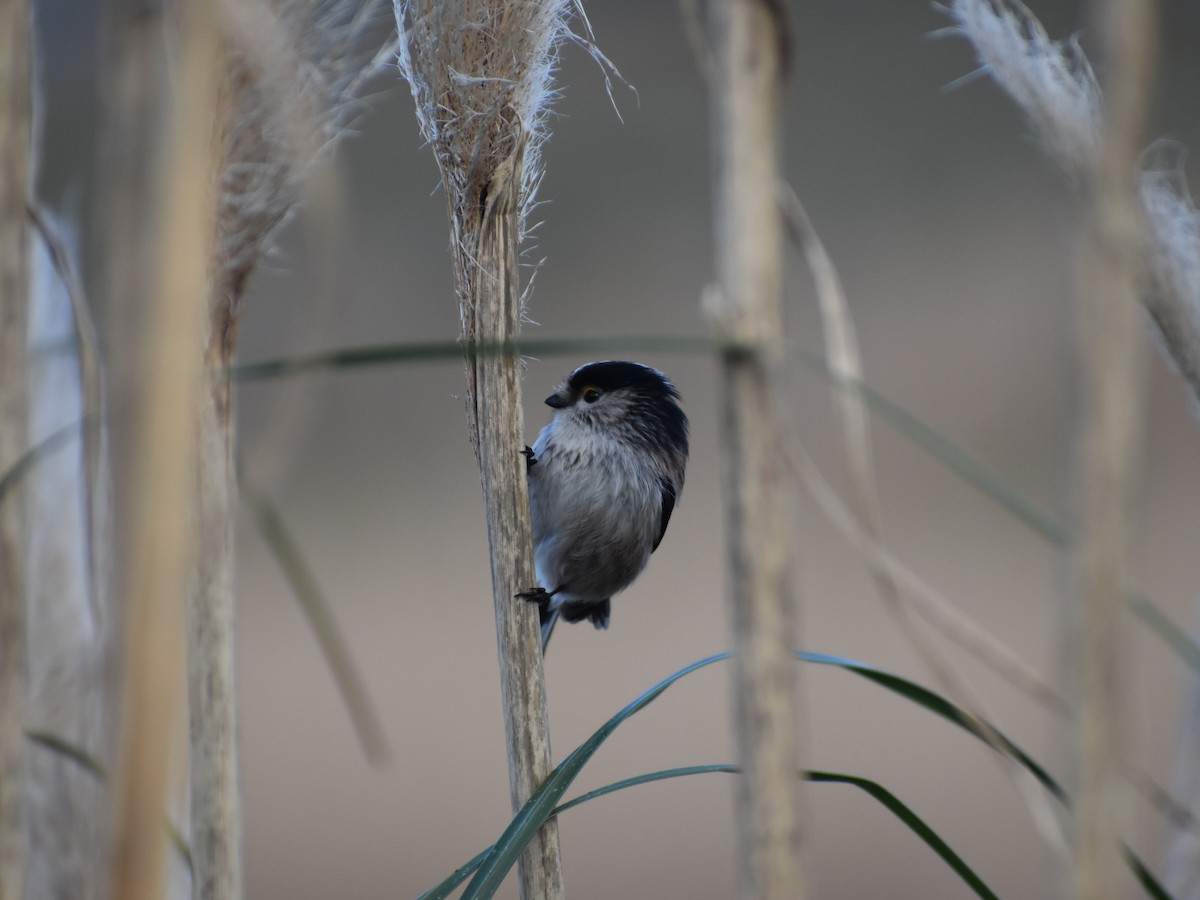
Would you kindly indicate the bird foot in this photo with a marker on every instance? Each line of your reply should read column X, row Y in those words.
column 530, row 459
column 539, row 596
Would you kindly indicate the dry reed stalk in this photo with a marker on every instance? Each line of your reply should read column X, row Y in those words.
column 1111, row 280
column 480, row 71
column 1053, row 83
column 749, row 43
column 862, row 518
column 1056, row 88
column 291, row 72
column 156, row 400
column 937, row 610
column 15, row 136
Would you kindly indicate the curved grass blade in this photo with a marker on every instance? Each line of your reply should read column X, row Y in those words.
column 90, row 764
column 56, row 440
column 389, row 354
column 443, row 889
column 648, row 778
column 491, row 866
column 914, row 823
column 462, row 873
column 71, row 751
column 1174, row 636
column 982, row 477
column 1145, row 877
column 541, row 805
column 874, row 789
column 939, row 705
column 889, row 800
column 979, row 475
column 316, row 610
column 181, row 845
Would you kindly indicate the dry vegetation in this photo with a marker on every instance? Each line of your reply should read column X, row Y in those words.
column 214, row 144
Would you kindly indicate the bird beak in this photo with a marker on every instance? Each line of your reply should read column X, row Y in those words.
column 557, row 401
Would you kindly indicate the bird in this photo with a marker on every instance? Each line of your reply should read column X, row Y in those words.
column 604, row 477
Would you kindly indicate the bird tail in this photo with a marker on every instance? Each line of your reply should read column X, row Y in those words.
column 548, row 619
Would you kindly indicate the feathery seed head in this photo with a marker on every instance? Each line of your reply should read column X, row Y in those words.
column 1052, row 81
column 481, row 75
column 295, row 71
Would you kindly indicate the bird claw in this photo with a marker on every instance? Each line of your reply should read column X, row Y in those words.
column 530, row 459
column 539, row 596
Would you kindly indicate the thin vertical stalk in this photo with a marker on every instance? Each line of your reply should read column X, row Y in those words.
column 212, row 702
column 290, row 73
column 15, row 132
column 749, row 40
column 216, row 820
column 480, row 71
column 494, row 286
column 1113, row 391
column 156, row 402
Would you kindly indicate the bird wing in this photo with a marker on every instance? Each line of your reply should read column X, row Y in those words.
column 668, row 506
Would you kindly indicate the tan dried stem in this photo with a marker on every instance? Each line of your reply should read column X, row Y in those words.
column 748, row 39
column 936, row 609
column 480, row 73
column 845, row 362
column 170, row 250
column 1111, row 281
column 15, row 135
column 292, row 73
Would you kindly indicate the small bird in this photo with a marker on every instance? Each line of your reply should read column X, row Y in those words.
column 604, row 477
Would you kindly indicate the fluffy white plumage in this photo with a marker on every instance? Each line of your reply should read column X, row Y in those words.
column 606, row 474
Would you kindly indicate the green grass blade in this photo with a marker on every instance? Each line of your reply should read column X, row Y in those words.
column 939, row 705
column 179, row 842
column 1174, row 636
column 874, row 789
column 463, row 872
column 982, row 477
column 71, row 751
column 648, row 778
column 443, row 890
column 492, row 865
column 914, row 823
column 56, row 440
column 1145, row 877
column 320, row 618
column 90, row 764
column 390, row 354
column 541, row 805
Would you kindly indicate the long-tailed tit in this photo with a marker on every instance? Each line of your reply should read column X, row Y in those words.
column 604, row 477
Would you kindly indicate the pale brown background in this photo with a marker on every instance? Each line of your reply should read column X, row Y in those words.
column 953, row 236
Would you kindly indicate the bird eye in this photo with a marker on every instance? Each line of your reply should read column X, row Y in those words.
column 590, row 395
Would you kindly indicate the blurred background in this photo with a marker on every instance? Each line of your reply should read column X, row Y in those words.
column 953, row 235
